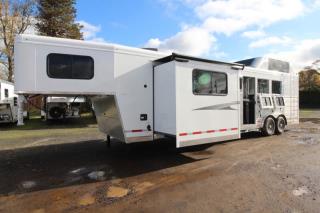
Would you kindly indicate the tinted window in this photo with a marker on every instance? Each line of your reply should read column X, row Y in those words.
column 276, row 87
column 263, row 86
column 70, row 66
column 82, row 67
column 6, row 93
column 278, row 65
column 209, row 83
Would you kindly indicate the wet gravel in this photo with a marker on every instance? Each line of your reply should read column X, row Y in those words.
column 255, row 174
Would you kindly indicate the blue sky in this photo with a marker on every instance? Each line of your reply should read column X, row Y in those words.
column 222, row 29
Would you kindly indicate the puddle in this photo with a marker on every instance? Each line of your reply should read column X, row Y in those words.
column 300, row 191
column 28, row 184
column 308, row 140
column 117, row 192
column 86, row 200
column 97, row 175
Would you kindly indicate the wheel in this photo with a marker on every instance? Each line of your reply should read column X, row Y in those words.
column 281, row 125
column 269, row 127
column 56, row 112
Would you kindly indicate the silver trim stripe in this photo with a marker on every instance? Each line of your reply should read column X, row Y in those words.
column 226, row 106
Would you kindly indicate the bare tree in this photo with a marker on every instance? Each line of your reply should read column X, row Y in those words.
column 15, row 18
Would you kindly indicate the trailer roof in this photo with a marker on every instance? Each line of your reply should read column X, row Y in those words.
column 179, row 57
column 22, row 38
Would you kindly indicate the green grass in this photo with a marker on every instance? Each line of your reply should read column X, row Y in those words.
column 310, row 113
column 18, row 134
column 36, row 128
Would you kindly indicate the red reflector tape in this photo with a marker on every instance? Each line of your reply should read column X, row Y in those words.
column 137, row 130
column 197, row 133
column 208, row 131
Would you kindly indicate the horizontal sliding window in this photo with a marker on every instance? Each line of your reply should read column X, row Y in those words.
column 209, row 83
column 65, row 66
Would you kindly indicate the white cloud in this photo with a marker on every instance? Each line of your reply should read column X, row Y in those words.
column 303, row 53
column 228, row 17
column 192, row 41
column 153, row 43
column 90, row 31
column 227, row 26
column 234, row 15
column 253, row 34
column 316, row 3
column 272, row 40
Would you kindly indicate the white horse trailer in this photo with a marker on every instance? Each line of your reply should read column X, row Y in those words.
column 140, row 95
column 55, row 108
column 9, row 103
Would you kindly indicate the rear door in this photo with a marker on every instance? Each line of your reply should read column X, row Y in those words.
column 208, row 103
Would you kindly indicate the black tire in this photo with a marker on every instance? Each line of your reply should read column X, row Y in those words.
column 269, row 127
column 56, row 112
column 281, row 125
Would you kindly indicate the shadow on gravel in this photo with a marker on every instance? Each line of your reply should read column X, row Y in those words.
column 39, row 168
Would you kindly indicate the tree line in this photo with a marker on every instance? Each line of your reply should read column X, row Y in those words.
column 55, row 18
column 309, row 78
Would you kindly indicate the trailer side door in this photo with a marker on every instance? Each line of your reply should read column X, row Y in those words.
column 207, row 103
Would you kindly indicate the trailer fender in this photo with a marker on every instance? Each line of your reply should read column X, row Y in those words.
column 284, row 118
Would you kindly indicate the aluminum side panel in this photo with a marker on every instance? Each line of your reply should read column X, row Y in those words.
column 206, row 118
column 108, row 116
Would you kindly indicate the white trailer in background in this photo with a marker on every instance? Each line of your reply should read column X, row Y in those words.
column 140, row 95
column 9, row 103
column 55, row 108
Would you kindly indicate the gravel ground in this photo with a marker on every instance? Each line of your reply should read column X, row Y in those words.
column 64, row 169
